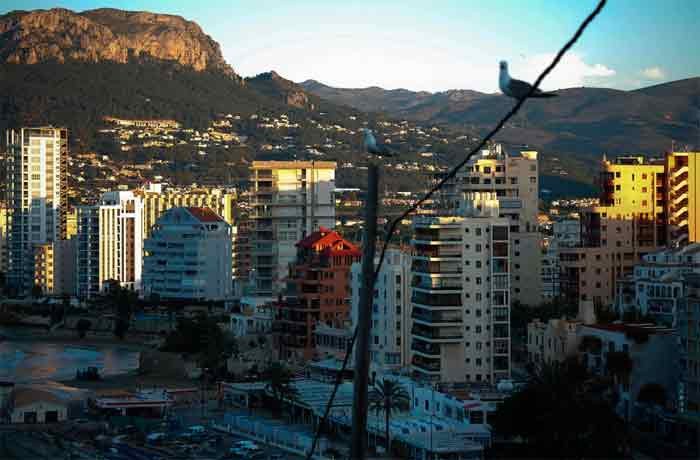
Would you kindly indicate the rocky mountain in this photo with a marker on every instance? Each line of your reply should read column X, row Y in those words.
column 72, row 69
column 582, row 122
column 32, row 37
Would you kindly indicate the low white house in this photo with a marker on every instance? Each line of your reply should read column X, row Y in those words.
column 30, row 405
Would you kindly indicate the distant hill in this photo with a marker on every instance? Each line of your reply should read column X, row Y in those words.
column 582, row 123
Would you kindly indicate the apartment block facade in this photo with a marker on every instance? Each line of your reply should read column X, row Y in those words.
column 36, row 173
column 290, row 200
column 629, row 223
column 188, row 256
column 110, row 243
column 157, row 199
column 514, row 179
column 461, row 296
column 390, row 344
column 688, row 320
column 655, row 287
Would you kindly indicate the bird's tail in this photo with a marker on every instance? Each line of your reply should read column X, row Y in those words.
column 544, row 95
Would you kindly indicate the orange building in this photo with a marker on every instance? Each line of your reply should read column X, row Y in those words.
column 317, row 291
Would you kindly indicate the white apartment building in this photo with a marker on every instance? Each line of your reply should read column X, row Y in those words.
column 188, row 256
column 390, row 340
column 655, row 287
column 461, row 295
column 110, row 243
column 566, row 233
column 36, row 175
column 290, row 200
column 515, row 181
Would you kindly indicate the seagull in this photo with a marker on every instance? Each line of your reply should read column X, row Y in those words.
column 517, row 89
column 371, row 145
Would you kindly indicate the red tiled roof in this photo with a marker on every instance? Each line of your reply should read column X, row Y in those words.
column 328, row 241
column 310, row 240
column 204, row 214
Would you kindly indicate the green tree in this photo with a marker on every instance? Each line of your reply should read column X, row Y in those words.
column 279, row 384
column 123, row 303
column 652, row 394
column 82, row 326
column 559, row 414
column 388, row 396
column 619, row 365
column 202, row 337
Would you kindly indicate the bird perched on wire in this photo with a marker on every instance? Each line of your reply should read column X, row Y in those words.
column 372, row 146
column 517, row 89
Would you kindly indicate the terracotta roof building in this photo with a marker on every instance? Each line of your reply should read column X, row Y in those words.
column 317, row 291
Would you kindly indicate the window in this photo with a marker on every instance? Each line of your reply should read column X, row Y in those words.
column 477, row 231
column 478, row 248
column 533, row 180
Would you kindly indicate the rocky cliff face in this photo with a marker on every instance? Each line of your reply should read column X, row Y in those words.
column 106, row 35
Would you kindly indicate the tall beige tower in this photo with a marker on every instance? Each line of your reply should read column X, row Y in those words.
column 290, row 200
column 36, row 166
column 514, row 179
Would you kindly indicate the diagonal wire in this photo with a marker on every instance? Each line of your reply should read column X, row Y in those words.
column 453, row 172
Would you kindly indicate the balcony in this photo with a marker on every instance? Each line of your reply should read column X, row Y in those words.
column 452, row 335
column 425, row 365
column 436, row 268
column 436, row 318
column 500, row 315
column 679, row 187
column 436, row 284
column 426, row 349
column 678, row 172
column 449, row 301
column 260, row 213
column 264, row 248
column 680, row 198
column 437, row 252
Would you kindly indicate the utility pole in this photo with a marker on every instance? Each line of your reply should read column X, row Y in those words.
column 358, row 446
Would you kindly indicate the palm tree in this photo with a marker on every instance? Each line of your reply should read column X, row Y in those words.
column 388, row 396
column 279, row 384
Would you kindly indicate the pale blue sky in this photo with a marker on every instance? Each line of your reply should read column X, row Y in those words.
column 438, row 45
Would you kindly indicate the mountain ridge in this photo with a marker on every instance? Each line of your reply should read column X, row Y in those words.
column 584, row 122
